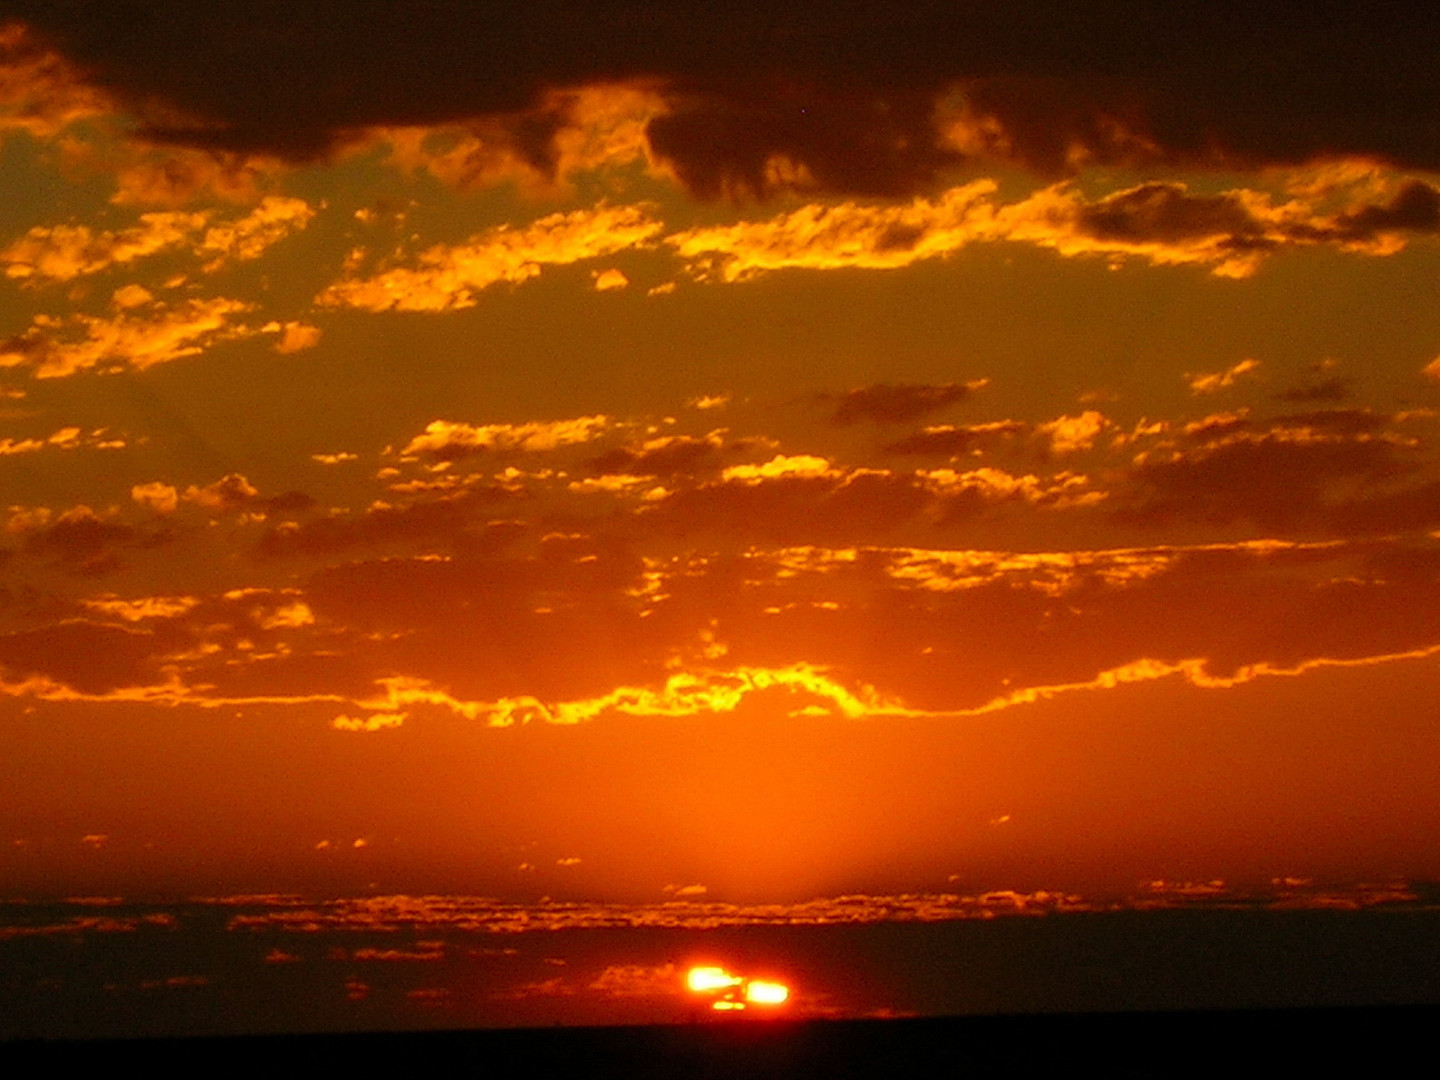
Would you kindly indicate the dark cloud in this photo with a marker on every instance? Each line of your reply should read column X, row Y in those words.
column 289, row 502
column 846, row 139
column 885, row 403
column 1167, row 213
column 1415, row 208
column 556, row 625
column 1164, row 213
column 444, row 521
column 85, row 543
column 83, row 655
column 666, row 456
column 1328, row 390
column 1335, row 421
column 1218, row 427
column 847, row 92
column 831, row 509
column 1284, row 480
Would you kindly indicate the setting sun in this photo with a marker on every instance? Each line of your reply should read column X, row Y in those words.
column 766, row 993
column 706, row 979
column 735, row 993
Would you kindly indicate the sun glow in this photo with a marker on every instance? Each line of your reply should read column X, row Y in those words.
column 735, row 993
column 703, row 980
column 766, row 993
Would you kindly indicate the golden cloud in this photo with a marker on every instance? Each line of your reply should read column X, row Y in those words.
column 849, row 235
column 41, row 92
column 686, row 693
column 159, row 497
column 224, row 494
column 64, row 252
column 147, row 175
column 787, row 466
column 1209, row 383
column 247, row 238
column 141, row 608
column 1163, row 223
column 996, row 485
column 610, row 280
column 294, row 336
column 1068, row 434
column 57, row 348
column 448, row 277
column 568, row 131
column 448, row 440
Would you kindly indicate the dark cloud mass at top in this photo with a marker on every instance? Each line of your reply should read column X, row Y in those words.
column 859, row 94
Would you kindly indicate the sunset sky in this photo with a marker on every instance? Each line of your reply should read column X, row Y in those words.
column 757, row 452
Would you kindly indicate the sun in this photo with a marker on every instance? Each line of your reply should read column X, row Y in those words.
column 735, row 993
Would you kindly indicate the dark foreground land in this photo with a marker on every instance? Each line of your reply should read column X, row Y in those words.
column 1287, row 1042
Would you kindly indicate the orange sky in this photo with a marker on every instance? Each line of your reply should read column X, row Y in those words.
column 632, row 471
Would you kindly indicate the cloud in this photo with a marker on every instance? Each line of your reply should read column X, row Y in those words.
column 539, row 147
column 295, row 337
column 1234, row 230
column 140, row 333
column 945, row 440
column 665, row 455
column 374, row 722
column 750, row 99
column 638, row 980
column 448, row 277
column 572, row 628
column 446, row 520
column 968, row 492
column 1304, row 470
column 230, row 492
column 66, row 438
column 1221, row 380
column 823, row 237
column 884, row 403
column 149, row 175
column 782, row 466
column 1164, row 223
column 682, row 694
column 803, row 498
column 93, row 659
column 445, row 440
column 248, row 237
column 80, row 540
column 41, row 92
column 1330, row 390
column 141, row 609
column 610, row 280
column 159, row 497
column 227, row 493
column 65, row 252
column 1415, row 207
column 1069, row 434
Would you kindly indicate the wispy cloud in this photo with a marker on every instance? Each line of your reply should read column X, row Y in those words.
column 447, row 277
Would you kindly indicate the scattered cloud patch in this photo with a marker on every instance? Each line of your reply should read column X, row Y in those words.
column 1211, row 382
column 141, row 333
column 445, row 278
column 444, row 440
column 884, row 403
